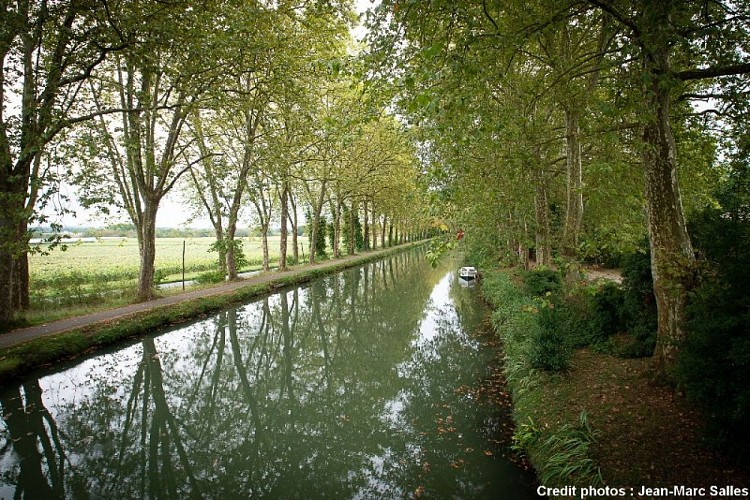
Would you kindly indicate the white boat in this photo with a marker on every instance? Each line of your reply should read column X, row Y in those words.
column 467, row 273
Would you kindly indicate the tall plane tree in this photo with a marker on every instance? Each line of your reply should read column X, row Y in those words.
column 677, row 43
column 48, row 50
column 157, row 83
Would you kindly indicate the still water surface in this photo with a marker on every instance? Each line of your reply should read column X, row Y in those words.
column 359, row 385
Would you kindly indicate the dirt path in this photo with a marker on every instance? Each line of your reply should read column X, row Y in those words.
column 21, row 335
column 596, row 272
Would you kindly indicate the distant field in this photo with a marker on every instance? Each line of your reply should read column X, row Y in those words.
column 113, row 263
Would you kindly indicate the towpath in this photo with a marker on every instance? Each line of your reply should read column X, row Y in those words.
column 15, row 337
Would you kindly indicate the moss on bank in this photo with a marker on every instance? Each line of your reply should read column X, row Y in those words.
column 20, row 359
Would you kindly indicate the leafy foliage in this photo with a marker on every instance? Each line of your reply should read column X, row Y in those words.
column 542, row 281
column 551, row 349
column 565, row 452
column 639, row 305
column 714, row 365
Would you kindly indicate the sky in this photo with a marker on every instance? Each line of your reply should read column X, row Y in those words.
column 172, row 213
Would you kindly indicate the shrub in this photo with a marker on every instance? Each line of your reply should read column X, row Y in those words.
column 608, row 305
column 550, row 348
column 541, row 281
column 210, row 277
column 638, row 314
column 714, row 364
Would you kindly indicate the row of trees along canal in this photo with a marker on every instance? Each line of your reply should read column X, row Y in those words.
column 545, row 119
column 240, row 104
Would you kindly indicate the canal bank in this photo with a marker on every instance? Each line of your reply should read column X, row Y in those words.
column 24, row 349
column 600, row 424
column 368, row 383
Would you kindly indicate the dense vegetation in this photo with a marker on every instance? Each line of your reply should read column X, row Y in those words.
column 260, row 117
column 573, row 130
column 560, row 132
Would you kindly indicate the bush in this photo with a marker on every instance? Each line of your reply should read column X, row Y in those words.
column 210, row 277
column 638, row 314
column 541, row 281
column 551, row 348
column 609, row 302
column 714, row 364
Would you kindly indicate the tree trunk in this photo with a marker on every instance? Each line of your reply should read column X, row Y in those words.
column 543, row 244
column 7, row 311
column 231, row 254
column 352, row 235
column 295, row 226
column 336, row 230
column 382, row 231
column 390, row 234
column 21, row 267
column 264, row 244
column 671, row 251
column 574, row 184
column 316, row 221
column 14, row 290
column 284, row 232
column 147, row 245
column 374, row 220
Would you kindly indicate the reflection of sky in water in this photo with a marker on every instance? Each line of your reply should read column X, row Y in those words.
column 438, row 311
column 340, row 397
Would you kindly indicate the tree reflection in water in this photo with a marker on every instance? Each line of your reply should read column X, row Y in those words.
column 346, row 387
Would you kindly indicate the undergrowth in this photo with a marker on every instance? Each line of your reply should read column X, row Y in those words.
column 560, row 451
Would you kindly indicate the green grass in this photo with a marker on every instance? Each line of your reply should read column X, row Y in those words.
column 105, row 273
column 117, row 260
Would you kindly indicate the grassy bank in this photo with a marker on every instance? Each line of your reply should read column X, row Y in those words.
column 20, row 359
column 557, row 444
column 586, row 411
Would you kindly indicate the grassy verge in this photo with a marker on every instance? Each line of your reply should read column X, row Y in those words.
column 587, row 413
column 556, row 442
column 20, row 359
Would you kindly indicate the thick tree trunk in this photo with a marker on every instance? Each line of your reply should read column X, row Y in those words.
column 352, row 235
column 574, row 185
column 336, row 230
column 374, row 220
column 295, row 225
column 231, row 254
column 365, row 227
column 14, row 271
column 264, row 244
column 382, row 231
column 147, row 245
column 7, row 311
column 316, row 221
column 390, row 234
column 222, row 251
column 21, row 267
column 671, row 250
column 21, row 279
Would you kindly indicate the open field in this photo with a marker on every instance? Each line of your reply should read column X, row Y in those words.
column 112, row 264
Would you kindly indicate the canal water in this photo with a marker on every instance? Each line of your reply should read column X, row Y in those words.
column 364, row 384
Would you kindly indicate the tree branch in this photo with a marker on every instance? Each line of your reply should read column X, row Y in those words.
column 700, row 74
